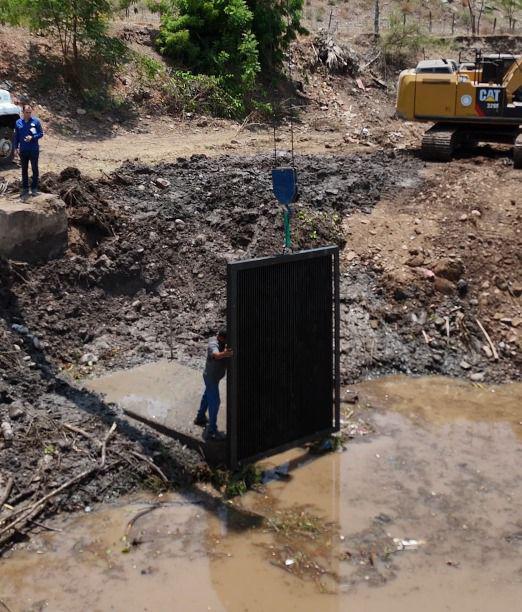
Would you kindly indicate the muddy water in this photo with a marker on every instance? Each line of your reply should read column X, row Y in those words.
column 423, row 514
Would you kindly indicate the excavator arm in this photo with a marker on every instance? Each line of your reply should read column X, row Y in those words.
column 513, row 80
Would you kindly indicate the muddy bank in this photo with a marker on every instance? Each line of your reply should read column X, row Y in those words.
column 149, row 243
column 435, row 527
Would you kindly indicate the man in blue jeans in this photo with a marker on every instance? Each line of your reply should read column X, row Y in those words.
column 218, row 358
column 28, row 132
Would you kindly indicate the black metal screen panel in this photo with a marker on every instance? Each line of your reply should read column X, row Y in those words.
column 283, row 322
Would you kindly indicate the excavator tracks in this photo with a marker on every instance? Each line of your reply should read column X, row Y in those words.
column 439, row 143
column 517, row 153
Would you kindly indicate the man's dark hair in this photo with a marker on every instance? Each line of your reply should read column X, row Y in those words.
column 24, row 106
column 222, row 333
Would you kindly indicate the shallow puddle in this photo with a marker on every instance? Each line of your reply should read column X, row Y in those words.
column 424, row 514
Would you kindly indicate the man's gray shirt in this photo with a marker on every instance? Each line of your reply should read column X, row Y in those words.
column 215, row 369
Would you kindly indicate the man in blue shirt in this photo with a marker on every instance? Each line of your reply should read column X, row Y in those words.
column 218, row 358
column 28, row 132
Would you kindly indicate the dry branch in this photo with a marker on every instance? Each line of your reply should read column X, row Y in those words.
column 488, row 339
column 7, row 493
column 151, row 464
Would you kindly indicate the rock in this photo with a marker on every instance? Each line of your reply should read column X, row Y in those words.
column 463, row 218
column 16, row 410
column 81, row 111
column 400, row 294
column 462, row 287
column 7, row 431
column 36, row 342
column 350, row 397
column 103, row 261
column 476, row 213
column 162, row 183
column 64, row 445
column 34, row 230
column 488, row 352
column 88, row 358
column 465, row 365
column 477, row 376
column 443, row 285
column 450, row 269
column 516, row 289
column 20, row 329
column 500, row 283
column 180, row 224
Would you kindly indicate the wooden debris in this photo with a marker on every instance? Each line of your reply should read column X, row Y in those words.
column 488, row 339
column 5, row 497
column 336, row 57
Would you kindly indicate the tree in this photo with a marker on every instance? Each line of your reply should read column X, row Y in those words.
column 211, row 37
column 73, row 23
column 276, row 23
column 234, row 39
column 510, row 10
column 8, row 11
column 476, row 10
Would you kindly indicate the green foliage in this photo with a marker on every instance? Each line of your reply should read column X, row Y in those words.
column 74, row 24
column 275, row 25
column 231, row 42
column 89, row 55
column 212, row 37
column 402, row 38
column 237, row 483
column 203, row 93
column 9, row 11
column 402, row 42
column 149, row 67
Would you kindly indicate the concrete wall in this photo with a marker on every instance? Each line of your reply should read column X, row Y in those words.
column 32, row 230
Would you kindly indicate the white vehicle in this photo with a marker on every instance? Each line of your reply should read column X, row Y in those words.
column 9, row 114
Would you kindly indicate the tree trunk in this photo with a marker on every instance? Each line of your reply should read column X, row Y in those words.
column 472, row 18
column 376, row 18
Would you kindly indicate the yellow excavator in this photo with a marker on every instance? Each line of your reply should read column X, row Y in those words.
column 469, row 102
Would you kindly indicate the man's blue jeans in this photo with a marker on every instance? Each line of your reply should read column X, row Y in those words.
column 25, row 158
column 210, row 401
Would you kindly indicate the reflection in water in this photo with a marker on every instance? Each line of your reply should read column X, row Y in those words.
column 442, row 470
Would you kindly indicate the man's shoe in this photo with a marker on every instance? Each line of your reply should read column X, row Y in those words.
column 24, row 194
column 35, row 192
column 201, row 421
column 214, row 436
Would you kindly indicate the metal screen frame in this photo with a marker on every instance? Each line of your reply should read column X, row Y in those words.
column 232, row 297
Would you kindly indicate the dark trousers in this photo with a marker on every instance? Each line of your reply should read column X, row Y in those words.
column 25, row 158
column 210, row 401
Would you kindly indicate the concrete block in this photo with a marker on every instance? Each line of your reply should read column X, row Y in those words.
column 165, row 395
column 32, row 230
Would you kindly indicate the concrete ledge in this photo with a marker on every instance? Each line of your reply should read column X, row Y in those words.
column 164, row 395
column 34, row 229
